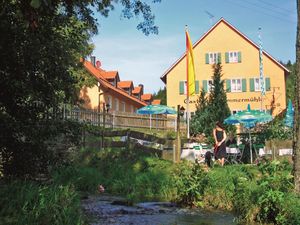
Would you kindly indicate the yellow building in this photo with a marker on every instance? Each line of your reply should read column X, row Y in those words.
column 240, row 68
column 109, row 92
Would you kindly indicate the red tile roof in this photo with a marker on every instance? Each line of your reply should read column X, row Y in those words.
column 146, row 97
column 156, row 102
column 125, row 84
column 110, row 74
column 136, row 90
column 98, row 73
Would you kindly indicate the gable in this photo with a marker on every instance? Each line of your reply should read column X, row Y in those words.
column 223, row 36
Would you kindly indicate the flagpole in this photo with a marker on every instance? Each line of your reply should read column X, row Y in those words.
column 261, row 75
column 190, row 76
column 187, row 93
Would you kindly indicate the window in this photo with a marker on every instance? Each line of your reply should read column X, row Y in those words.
column 117, row 104
column 123, row 109
column 213, row 57
column 236, row 85
column 210, row 84
column 257, row 84
column 109, row 101
column 233, row 57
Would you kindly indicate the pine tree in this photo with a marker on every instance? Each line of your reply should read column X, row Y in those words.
column 212, row 108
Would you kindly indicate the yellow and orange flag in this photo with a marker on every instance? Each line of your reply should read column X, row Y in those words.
column 190, row 66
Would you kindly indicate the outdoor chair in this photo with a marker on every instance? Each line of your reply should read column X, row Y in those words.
column 234, row 154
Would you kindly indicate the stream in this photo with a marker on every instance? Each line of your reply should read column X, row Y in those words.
column 111, row 210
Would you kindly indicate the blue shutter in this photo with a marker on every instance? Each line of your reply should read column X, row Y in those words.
column 252, row 84
column 268, row 84
column 244, row 85
column 181, row 87
column 239, row 57
column 219, row 58
column 197, row 86
column 227, row 57
column 206, row 58
column 228, row 85
column 204, row 85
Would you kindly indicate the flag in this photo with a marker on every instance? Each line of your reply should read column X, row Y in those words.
column 190, row 66
column 261, row 73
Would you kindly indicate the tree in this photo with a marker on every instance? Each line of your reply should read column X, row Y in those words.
column 213, row 108
column 41, row 44
column 162, row 95
column 296, row 141
column 290, row 83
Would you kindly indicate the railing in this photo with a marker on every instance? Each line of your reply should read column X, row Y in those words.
column 119, row 119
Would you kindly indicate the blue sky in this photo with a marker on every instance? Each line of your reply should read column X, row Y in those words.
column 143, row 59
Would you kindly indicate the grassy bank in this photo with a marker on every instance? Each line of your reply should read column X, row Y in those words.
column 255, row 193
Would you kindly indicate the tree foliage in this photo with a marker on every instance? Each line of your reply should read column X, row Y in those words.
column 290, row 82
column 41, row 44
column 212, row 107
column 162, row 95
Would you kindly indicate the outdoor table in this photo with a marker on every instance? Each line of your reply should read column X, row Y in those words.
column 232, row 154
column 285, row 151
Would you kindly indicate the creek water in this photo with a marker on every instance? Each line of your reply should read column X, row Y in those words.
column 110, row 210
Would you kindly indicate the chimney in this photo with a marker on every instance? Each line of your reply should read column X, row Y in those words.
column 142, row 88
column 93, row 60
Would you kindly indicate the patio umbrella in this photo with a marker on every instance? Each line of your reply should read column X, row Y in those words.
column 289, row 117
column 155, row 110
column 249, row 118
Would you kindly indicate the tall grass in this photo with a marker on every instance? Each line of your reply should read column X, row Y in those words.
column 30, row 203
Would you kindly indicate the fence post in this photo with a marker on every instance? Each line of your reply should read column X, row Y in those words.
column 113, row 119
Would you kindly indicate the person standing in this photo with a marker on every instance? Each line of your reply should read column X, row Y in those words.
column 220, row 145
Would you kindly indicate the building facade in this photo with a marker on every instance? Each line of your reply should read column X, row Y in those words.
column 239, row 57
column 110, row 93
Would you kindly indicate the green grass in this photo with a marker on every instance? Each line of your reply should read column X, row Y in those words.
column 31, row 203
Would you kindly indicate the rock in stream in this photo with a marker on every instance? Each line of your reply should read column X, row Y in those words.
column 111, row 210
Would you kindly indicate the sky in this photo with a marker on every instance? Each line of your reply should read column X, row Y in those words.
column 143, row 59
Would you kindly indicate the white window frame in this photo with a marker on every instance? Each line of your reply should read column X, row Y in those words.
column 210, row 84
column 233, row 56
column 212, row 57
column 235, row 86
column 257, row 84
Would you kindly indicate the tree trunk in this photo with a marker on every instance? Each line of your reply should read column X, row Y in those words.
column 296, row 142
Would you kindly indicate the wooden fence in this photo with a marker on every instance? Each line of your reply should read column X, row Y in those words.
column 129, row 139
column 120, row 119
